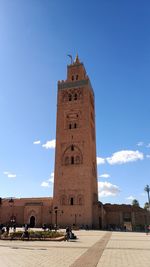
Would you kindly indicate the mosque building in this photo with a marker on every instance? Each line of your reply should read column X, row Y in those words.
column 75, row 200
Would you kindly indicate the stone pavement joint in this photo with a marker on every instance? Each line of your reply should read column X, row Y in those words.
column 91, row 257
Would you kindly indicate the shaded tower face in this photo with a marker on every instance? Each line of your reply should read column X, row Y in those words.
column 75, row 181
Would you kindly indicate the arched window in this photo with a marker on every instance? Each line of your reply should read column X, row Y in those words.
column 75, row 96
column 77, row 77
column 75, row 125
column 72, row 77
column 72, row 94
column 70, row 97
column 71, row 201
column 72, row 148
column 69, row 125
column 72, row 160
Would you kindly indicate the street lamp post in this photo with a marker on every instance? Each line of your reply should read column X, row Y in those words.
column 12, row 218
column 56, row 212
column 75, row 216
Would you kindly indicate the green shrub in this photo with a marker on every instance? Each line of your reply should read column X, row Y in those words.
column 5, row 234
column 17, row 234
column 38, row 234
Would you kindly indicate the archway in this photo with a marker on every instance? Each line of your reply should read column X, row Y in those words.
column 32, row 221
column 100, row 223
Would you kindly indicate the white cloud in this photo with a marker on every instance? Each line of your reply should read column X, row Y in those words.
column 9, row 174
column 100, row 161
column 148, row 156
column 125, row 156
column 141, row 143
column 38, row 142
column 106, row 189
column 51, row 179
column 50, row 144
column 104, row 175
column 130, row 198
column 45, row 184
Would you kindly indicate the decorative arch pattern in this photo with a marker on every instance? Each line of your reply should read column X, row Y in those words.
column 72, row 200
column 72, row 155
column 72, row 95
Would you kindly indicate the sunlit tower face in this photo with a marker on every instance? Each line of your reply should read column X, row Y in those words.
column 75, row 181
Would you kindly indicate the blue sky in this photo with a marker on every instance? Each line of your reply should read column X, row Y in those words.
column 112, row 38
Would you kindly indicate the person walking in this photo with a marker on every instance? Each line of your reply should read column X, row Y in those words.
column 147, row 228
column 67, row 233
column 7, row 229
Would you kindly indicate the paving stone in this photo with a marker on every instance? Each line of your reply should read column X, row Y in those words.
column 121, row 250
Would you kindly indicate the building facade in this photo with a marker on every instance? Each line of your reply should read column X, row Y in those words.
column 75, row 200
column 32, row 211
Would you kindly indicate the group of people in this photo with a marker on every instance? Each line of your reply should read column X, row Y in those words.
column 6, row 228
column 69, row 234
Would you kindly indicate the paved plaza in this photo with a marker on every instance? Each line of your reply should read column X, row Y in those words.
column 93, row 248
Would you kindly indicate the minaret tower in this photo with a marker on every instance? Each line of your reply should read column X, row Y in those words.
column 75, row 180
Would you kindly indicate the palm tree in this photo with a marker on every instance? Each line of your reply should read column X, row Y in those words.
column 135, row 203
column 147, row 189
column 146, row 205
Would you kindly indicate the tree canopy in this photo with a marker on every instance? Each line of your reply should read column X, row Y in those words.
column 147, row 189
column 135, row 202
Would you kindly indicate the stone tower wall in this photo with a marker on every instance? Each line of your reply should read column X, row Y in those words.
column 75, row 181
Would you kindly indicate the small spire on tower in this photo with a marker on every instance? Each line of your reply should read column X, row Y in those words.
column 77, row 59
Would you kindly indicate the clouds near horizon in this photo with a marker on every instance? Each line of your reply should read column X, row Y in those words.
column 106, row 189
column 49, row 181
